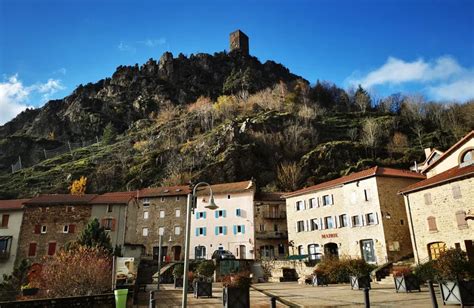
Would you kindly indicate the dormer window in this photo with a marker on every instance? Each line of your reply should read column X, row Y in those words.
column 467, row 158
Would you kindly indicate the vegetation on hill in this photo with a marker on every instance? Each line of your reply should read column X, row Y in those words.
column 219, row 118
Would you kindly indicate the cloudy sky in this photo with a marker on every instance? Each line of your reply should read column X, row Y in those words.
column 49, row 47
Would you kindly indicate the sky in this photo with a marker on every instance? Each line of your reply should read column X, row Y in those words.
column 49, row 47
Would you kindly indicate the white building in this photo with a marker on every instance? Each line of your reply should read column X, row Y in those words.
column 230, row 227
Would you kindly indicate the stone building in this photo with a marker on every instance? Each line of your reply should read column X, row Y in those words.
column 271, row 231
column 11, row 215
column 239, row 41
column 439, row 207
column 51, row 221
column 230, row 227
column 162, row 211
column 358, row 215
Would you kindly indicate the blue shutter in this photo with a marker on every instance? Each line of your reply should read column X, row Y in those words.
column 217, row 230
column 197, row 215
column 197, row 231
column 237, row 212
column 204, row 231
column 204, row 215
column 216, row 214
column 223, row 213
column 225, row 230
column 243, row 229
column 235, row 229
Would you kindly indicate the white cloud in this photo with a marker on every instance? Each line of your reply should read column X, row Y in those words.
column 122, row 46
column 153, row 42
column 14, row 95
column 132, row 47
column 60, row 71
column 443, row 78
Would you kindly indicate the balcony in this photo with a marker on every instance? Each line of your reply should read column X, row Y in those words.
column 268, row 235
column 274, row 215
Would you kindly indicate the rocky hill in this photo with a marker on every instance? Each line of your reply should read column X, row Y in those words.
column 221, row 117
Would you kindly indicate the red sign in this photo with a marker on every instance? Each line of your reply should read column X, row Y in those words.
column 329, row 235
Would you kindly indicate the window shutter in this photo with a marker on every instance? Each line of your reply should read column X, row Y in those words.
column 332, row 199
column 32, row 250
column 321, row 222
column 376, row 218
column 317, row 200
column 243, row 229
column 72, row 228
column 461, row 219
column 197, row 231
column 225, row 230
column 216, row 214
column 362, row 220
column 204, row 215
column 204, row 231
column 51, row 249
column 224, row 214
column 217, row 230
column 235, row 229
column 5, row 218
column 335, row 222
column 37, row 229
column 432, row 223
column 304, row 205
column 197, row 215
column 113, row 225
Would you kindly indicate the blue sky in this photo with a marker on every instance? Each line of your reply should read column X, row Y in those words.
column 49, row 47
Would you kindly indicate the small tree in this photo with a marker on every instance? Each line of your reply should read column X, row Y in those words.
column 109, row 134
column 362, row 99
column 289, row 176
column 94, row 235
column 11, row 285
column 78, row 187
column 372, row 133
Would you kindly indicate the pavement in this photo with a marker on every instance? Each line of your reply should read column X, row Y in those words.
column 292, row 294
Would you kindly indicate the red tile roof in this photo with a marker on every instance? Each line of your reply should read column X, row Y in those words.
column 374, row 171
column 14, row 204
column 61, row 199
column 163, row 191
column 449, row 151
column 446, row 176
column 227, row 188
column 121, row 197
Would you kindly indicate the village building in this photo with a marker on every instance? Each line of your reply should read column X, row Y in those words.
column 162, row 212
column 358, row 215
column 441, row 208
column 271, row 231
column 230, row 227
column 11, row 215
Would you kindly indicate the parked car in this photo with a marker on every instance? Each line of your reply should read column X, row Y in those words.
column 222, row 254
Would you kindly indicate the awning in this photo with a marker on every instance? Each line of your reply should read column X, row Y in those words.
column 297, row 257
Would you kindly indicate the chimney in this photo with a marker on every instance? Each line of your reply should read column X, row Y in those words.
column 427, row 152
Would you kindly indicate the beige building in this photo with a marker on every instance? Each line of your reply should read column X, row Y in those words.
column 162, row 211
column 440, row 206
column 271, row 231
column 358, row 215
column 11, row 215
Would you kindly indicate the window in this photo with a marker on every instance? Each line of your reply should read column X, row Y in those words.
column 200, row 252
column 327, row 200
column 457, row 191
column 51, row 248
column 177, row 198
column 461, row 220
column 300, row 226
column 32, row 250
column 146, row 215
column 314, row 224
column 43, row 229
column 221, row 230
column 267, row 251
column 300, row 250
column 314, row 252
column 432, row 223
column 367, row 194
column 281, row 249
column 238, row 212
column 200, row 215
column 262, row 227
column 299, row 205
column 436, row 249
column 228, row 196
column 162, row 199
column 402, row 222
column 5, row 218
column 427, row 198
column 108, row 224
column 178, row 213
column 161, row 231
column 312, row 203
column 370, row 219
column 275, row 227
column 109, row 208
column 239, row 229
column 201, row 231
column 342, row 221
column 177, row 230
column 146, row 202
column 467, row 157
column 220, row 213
column 356, row 221
column 162, row 214
column 329, row 222
column 66, row 229
column 145, row 231
column 5, row 244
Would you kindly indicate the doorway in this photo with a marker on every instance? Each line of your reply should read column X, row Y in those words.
column 164, row 252
column 368, row 251
column 469, row 250
column 176, row 252
column 242, row 251
column 331, row 250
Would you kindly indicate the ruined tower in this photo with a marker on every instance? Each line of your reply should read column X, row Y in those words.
column 239, row 41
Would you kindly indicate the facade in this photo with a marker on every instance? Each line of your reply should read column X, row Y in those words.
column 11, row 215
column 239, row 41
column 162, row 211
column 230, row 227
column 440, row 206
column 271, row 231
column 359, row 215
column 50, row 222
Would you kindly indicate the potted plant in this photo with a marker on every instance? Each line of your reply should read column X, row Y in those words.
column 456, row 277
column 319, row 278
column 178, row 272
column 236, row 293
column 405, row 280
column 203, row 284
column 359, row 274
column 28, row 290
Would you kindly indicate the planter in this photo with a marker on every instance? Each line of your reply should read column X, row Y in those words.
column 29, row 291
column 320, row 280
column 406, row 283
column 178, row 282
column 360, row 283
column 457, row 292
column 202, row 288
column 236, row 297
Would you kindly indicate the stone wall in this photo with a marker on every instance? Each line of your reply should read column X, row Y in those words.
column 275, row 268
column 268, row 220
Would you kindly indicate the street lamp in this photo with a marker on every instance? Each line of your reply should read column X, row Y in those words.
column 190, row 207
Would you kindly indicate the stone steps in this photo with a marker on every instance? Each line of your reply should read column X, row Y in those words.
column 387, row 280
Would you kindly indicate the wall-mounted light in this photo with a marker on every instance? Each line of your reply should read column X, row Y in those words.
column 387, row 215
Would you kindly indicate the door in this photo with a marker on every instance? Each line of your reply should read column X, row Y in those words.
column 368, row 251
column 469, row 250
column 242, row 252
column 331, row 250
column 176, row 252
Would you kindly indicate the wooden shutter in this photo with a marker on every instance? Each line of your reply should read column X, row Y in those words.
column 112, row 228
column 5, row 218
column 32, row 250
column 432, row 223
column 51, row 248
column 461, row 219
column 72, row 228
column 37, row 229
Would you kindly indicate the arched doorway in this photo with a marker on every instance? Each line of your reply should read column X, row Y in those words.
column 176, row 252
column 435, row 249
column 331, row 250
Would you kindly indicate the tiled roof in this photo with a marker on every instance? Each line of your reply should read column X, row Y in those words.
column 374, row 171
column 163, row 191
column 61, row 199
column 227, row 188
column 269, row 196
column 449, row 151
column 121, row 197
column 446, row 176
column 14, row 204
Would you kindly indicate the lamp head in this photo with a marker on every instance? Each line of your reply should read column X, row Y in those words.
column 212, row 205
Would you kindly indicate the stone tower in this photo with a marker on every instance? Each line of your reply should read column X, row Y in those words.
column 239, row 41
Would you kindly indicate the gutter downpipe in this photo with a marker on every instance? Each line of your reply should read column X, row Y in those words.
column 412, row 228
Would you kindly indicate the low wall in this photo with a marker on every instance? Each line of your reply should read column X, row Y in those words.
column 274, row 268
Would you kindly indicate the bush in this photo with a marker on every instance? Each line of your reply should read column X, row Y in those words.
column 238, row 280
column 206, row 269
column 425, row 271
column 401, row 271
column 359, row 268
column 453, row 265
column 339, row 270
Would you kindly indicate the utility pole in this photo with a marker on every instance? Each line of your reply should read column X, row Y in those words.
column 159, row 262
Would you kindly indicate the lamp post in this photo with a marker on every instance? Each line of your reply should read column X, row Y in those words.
column 159, row 262
column 189, row 208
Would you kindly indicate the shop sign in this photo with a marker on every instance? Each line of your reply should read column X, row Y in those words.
column 329, row 235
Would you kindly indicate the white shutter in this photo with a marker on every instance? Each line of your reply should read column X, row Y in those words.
column 332, row 199
column 322, row 223
column 317, row 198
column 376, row 218
column 362, row 220
column 304, row 205
column 335, row 222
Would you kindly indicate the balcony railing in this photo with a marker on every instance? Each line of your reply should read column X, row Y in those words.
column 274, row 215
column 265, row 235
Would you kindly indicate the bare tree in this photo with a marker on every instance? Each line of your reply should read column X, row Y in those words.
column 353, row 133
column 372, row 131
column 289, row 176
